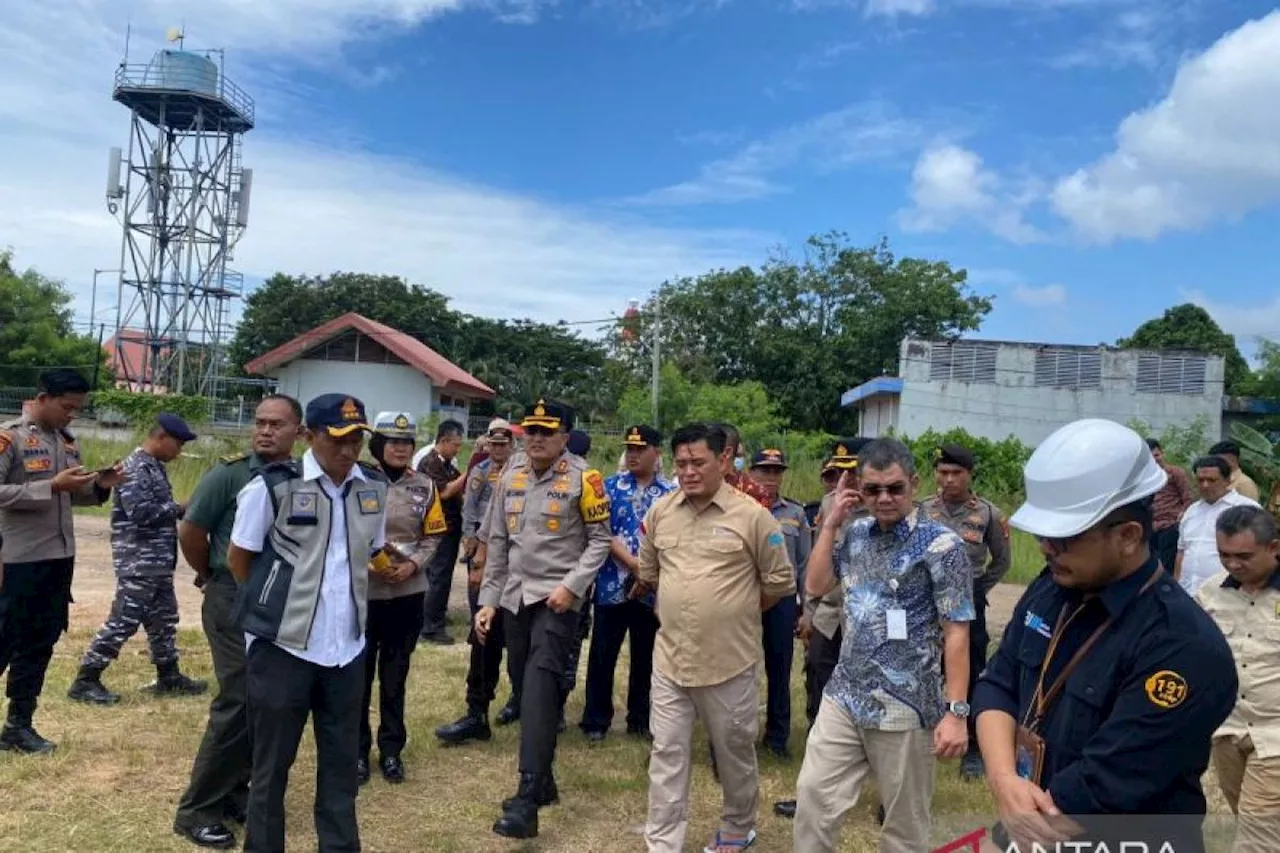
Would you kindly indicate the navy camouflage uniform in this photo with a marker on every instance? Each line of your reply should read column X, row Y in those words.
column 144, row 553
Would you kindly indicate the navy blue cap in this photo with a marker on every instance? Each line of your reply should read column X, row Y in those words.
column 548, row 414
column 642, row 436
column 175, row 426
column 579, row 442
column 337, row 414
column 769, row 458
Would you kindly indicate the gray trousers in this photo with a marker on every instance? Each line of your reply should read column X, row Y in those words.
column 220, row 774
column 147, row 602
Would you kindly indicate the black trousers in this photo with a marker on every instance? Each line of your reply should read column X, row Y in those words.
column 1164, row 543
column 440, row 582
column 485, row 667
column 979, row 639
column 543, row 639
column 220, row 774
column 613, row 623
column 779, row 631
column 391, row 637
column 820, row 661
column 580, row 637
column 283, row 691
column 35, row 602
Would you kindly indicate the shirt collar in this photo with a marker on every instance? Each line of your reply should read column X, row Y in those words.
column 1274, row 582
column 311, row 469
column 1117, row 596
column 902, row 529
column 721, row 498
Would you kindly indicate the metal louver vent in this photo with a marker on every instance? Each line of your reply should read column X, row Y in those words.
column 1171, row 374
column 964, row 361
column 1075, row 369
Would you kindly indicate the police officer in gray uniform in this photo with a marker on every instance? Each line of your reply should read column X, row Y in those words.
column 41, row 479
column 779, row 621
column 144, row 553
column 985, row 532
column 305, row 539
column 548, row 536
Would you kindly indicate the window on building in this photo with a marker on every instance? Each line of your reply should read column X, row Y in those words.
column 963, row 361
column 1171, row 374
column 1068, row 368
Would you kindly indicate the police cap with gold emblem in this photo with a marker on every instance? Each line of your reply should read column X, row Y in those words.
column 844, row 452
column 642, row 436
column 337, row 414
column 548, row 414
column 395, row 425
column 953, row 454
column 769, row 458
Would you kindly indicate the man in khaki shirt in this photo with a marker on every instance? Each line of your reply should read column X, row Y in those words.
column 1245, row 603
column 717, row 559
column 1240, row 481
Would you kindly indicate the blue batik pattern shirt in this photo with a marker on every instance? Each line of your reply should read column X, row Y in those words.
column 919, row 566
column 628, row 505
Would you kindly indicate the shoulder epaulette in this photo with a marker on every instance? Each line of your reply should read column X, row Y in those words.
column 285, row 468
column 233, row 458
column 373, row 472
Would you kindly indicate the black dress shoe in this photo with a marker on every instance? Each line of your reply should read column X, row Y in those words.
column 785, row 808
column 24, row 739
column 212, row 835
column 362, row 770
column 509, row 714
column 392, row 769
column 471, row 726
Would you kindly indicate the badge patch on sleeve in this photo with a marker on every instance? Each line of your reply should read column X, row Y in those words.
column 775, row 539
column 370, row 504
column 434, row 523
column 1166, row 689
column 594, row 503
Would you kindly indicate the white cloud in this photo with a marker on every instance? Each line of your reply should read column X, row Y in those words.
column 832, row 141
column 1040, row 297
column 1209, row 150
column 1246, row 321
column 950, row 185
column 318, row 206
column 893, row 8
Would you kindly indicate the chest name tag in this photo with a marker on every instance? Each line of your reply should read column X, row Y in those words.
column 302, row 508
column 896, row 624
column 369, row 503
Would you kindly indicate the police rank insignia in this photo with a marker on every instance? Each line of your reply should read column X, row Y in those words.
column 1166, row 689
column 562, row 466
column 350, row 411
column 553, row 524
column 402, row 422
column 369, row 502
column 33, row 440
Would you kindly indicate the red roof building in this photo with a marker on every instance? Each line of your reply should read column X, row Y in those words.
column 384, row 368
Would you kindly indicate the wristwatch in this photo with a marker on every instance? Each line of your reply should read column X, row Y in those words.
column 960, row 709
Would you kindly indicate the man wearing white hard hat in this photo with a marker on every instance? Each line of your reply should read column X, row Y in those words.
column 1096, row 713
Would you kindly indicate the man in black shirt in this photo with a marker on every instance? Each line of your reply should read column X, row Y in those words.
column 438, row 465
column 1096, row 713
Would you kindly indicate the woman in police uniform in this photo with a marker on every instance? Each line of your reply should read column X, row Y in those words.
column 415, row 524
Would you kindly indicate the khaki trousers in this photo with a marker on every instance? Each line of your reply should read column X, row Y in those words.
column 838, row 758
column 1252, row 788
column 729, row 712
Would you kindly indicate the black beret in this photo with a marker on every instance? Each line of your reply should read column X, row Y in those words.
column 954, row 454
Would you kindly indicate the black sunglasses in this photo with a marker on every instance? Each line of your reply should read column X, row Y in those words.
column 874, row 490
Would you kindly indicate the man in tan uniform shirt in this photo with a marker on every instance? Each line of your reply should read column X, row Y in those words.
column 716, row 558
column 1244, row 601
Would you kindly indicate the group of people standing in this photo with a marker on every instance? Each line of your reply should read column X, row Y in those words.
column 1105, row 697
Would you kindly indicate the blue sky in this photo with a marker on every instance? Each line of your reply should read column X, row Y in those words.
column 1090, row 162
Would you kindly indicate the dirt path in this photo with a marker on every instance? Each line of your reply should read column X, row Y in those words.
column 95, row 584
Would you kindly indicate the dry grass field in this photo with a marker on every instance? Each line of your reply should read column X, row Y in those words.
column 115, row 779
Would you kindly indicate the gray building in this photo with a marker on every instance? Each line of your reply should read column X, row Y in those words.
column 995, row 389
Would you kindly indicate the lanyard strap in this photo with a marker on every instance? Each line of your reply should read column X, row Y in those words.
column 1041, row 700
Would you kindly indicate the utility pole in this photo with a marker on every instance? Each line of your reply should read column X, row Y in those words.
column 657, row 360
column 93, row 300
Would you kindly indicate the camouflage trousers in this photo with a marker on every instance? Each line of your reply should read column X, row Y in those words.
column 148, row 602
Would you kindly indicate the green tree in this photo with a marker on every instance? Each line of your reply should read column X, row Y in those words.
column 1189, row 327
column 36, row 330
column 682, row 400
column 807, row 330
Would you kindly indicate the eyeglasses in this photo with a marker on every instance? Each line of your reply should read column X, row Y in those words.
column 1058, row 547
column 874, row 490
column 537, row 430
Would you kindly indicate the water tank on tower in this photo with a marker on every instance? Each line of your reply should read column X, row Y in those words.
column 182, row 71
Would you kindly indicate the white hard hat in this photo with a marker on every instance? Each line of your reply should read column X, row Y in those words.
column 1081, row 472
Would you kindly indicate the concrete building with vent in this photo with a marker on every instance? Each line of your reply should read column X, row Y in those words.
column 996, row 389
column 386, row 369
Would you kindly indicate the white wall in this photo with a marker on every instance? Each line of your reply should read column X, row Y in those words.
column 1014, row 405
column 381, row 387
column 878, row 414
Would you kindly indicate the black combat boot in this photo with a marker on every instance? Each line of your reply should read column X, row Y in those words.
column 520, row 818
column 19, row 735
column 171, row 682
column 510, row 712
column 88, row 687
column 473, row 725
column 546, row 793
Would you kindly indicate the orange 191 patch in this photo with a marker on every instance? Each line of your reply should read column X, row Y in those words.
column 1166, row 689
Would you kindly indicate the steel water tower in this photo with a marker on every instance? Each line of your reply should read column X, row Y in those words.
column 182, row 198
